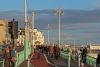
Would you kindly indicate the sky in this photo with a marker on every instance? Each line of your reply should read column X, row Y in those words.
column 6, row 5
column 81, row 20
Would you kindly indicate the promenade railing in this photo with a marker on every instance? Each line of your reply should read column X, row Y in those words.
column 91, row 60
column 20, row 58
column 66, row 56
column 2, row 63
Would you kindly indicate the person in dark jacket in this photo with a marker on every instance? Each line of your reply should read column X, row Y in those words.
column 98, row 60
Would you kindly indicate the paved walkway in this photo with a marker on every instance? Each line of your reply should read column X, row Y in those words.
column 37, row 60
column 24, row 64
column 41, row 60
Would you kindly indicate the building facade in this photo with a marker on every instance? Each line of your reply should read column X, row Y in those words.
column 38, row 37
column 35, row 37
column 4, row 35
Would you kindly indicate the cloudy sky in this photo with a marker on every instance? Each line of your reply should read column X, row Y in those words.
column 50, row 4
column 81, row 20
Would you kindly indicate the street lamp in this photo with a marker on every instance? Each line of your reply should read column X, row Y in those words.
column 59, row 12
column 32, row 35
column 48, row 34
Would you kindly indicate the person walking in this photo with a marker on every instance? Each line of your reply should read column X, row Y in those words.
column 98, row 61
column 7, row 57
column 52, row 51
column 12, row 57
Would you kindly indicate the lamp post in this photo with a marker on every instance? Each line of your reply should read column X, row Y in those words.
column 26, row 26
column 25, row 18
column 74, row 44
column 33, row 14
column 59, row 12
column 33, row 44
column 48, row 34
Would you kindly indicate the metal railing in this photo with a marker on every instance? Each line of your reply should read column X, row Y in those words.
column 66, row 56
column 20, row 58
column 2, row 63
column 91, row 61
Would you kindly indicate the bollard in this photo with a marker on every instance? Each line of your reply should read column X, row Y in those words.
column 69, row 56
column 79, row 58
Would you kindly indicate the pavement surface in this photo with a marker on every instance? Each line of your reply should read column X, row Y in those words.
column 37, row 60
column 42, row 60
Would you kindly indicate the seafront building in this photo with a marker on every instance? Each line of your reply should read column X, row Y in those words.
column 4, row 35
column 36, row 37
column 95, row 47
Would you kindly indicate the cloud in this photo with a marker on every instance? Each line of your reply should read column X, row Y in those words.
column 96, row 3
column 76, row 25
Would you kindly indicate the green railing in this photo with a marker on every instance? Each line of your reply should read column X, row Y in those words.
column 23, row 55
column 20, row 58
column 1, row 63
column 64, row 55
column 91, row 61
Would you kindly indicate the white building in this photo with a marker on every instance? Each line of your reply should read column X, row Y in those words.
column 36, row 37
column 20, row 40
column 95, row 47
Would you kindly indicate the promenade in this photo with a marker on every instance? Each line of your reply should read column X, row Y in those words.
column 42, row 60
column 36, row 60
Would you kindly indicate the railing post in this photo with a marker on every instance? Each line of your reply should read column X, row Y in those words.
column 3, row 62
column 16, row 64
column 69, row 57
column 79, row 58
column 28, row 63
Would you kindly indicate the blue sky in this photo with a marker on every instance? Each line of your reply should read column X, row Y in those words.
column 81, row 23
column 49, row 4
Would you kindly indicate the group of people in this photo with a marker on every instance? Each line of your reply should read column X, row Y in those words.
column 84, row 54
column 52, row 51
column 9, row 56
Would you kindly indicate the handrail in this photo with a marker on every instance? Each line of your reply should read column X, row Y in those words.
column 64, row 55
column 91, row 60
column 20, row 58
column 2, row 63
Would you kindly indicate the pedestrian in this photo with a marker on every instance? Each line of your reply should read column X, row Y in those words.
column 98, row 61
column 56, row 52
column 7, row 57
column 12, row 57
column 52, row 51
